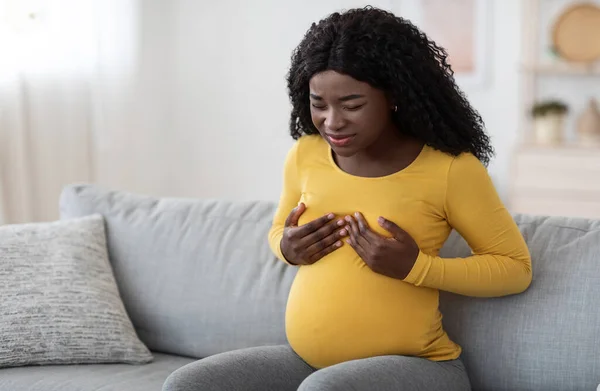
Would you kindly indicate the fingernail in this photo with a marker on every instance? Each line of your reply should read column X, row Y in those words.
column 357, row 214
column 348, row 241
column 338, row 244
column 381, row 220
column 340, row 223
column 343, row 232
column 330, row 216
column 348, row 219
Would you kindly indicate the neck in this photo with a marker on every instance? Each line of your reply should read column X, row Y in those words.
column 392, row 152
column 384, row 148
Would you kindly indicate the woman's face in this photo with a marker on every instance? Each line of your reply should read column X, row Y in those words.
column 349, row 114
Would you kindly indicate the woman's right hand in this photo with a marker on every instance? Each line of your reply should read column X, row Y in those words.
column 310, row 242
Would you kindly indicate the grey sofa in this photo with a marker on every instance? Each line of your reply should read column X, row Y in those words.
column 197, row 278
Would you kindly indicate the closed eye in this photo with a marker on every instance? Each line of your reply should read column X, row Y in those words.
column 353, row 108
column 347, row 108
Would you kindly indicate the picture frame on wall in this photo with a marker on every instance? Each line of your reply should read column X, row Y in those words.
column 461, row 27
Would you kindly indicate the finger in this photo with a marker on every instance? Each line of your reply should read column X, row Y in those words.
column 352, row 228
column 355, row 234
column 364, row 228
column 356, row 239
column 294, row 216
column 322, row 233
column 314, row 225
column 359, row 250
column 397, row 232
column 329, row 239
column 327, row 250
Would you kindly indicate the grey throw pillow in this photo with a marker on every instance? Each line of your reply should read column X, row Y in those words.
column 59, row 302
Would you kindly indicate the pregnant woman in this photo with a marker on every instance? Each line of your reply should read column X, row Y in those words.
column 389, row 158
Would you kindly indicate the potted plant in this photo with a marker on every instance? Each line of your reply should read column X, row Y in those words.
column 549, row 117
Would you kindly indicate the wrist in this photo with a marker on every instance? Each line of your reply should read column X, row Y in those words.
column 286, row 259
column 419, row 269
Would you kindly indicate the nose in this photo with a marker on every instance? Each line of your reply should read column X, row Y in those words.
column 334, row 120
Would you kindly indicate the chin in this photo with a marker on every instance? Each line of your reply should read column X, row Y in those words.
column 343, row 151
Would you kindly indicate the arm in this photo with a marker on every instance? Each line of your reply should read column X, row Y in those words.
column 290, row 196
column 501, row 263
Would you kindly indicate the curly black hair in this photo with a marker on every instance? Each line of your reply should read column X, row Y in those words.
column 389, row 53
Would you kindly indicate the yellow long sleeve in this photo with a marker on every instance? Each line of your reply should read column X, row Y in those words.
column 501, row 263
column 288, row 200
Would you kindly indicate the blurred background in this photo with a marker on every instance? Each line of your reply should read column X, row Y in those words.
column 187, row 98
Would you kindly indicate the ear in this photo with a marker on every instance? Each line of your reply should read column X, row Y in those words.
column 391, row 102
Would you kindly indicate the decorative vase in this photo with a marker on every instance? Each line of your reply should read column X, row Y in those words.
column 549, row 128
column 588, row 125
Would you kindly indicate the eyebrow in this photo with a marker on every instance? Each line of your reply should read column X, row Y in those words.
column 342, row 99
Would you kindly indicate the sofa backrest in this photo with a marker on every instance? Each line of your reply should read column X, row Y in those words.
column 196, row 276
column 547, row 338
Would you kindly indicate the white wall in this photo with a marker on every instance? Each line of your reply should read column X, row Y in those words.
column 132, row 146
column 232, row 107
column 498, row 101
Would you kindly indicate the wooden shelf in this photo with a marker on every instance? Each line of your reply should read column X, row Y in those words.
column 569, row 147
column 564, row 69
column 557, row 182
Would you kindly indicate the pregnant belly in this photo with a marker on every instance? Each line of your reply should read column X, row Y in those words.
column 340, row 310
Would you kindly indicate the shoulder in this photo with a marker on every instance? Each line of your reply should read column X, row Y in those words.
column 466, row 173
column 466, row 164
column 308, row 146
column 307, row 149
column 435, row 162
column 312, row 143
column 462, row 161
column 464, row 167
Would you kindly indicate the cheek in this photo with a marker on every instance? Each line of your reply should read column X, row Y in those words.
column 371, row 124
column 317, row 118
column 377, row 118
column 366, row 119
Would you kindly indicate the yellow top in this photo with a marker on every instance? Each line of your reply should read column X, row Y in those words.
column 338, row 309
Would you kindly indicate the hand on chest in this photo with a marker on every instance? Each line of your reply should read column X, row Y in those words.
column 406, row 207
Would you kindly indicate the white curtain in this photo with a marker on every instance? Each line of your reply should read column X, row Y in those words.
column 66, row 77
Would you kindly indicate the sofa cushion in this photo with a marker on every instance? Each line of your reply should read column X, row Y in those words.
column 197, row 277
column 107, row 377
column 548, row 337
column 59, row 303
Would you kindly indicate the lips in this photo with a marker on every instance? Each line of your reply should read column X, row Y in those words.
column 340, row 140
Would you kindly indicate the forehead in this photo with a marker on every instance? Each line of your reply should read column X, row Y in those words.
column 331, row 83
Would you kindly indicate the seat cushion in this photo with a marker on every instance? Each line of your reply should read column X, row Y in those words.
column 105, row 377
column 548, row 337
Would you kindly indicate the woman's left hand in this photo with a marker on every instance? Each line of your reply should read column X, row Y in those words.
column 393, row 257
